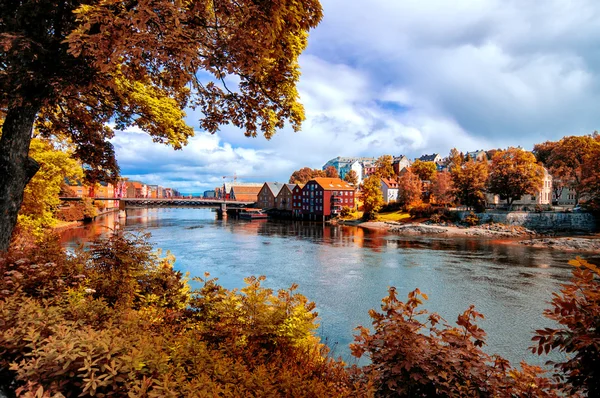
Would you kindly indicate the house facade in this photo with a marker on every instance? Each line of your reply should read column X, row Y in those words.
column 245, row 193
column 542, row 197
column 284, row 199
column 136, row 189
column 323, row 198
column 389, row 190
column 400, row 163
column 268, row 194
column 297, row 200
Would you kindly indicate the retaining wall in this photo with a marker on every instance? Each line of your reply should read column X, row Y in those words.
column 541, row 222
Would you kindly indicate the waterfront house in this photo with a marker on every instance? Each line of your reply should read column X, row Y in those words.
column 268, row 195
column 323, row 198
column 247, row 192
column 136, row 189
column 297, row 200
column 284, row 198
column 389, row 190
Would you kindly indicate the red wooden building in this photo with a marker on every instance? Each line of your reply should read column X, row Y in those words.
column 323, row 198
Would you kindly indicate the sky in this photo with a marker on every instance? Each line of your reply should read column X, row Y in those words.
column 407, row 77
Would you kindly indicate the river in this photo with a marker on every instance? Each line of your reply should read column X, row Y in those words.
column 347, row 270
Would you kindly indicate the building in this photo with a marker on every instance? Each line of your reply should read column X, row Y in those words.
column 268, row 195
column 209, row 194
column 400, row 163
column 244, row 193
column 284, row 199
column 434, row 157
column 389, row 190
column 542, row 197
column 136, row 189
column 478, row 156
column 344, row 164
column 323, row 198
column 297, row 200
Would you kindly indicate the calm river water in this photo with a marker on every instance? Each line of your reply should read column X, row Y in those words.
column 347, row 270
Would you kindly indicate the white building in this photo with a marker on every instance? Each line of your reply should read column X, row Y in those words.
column 389, row 190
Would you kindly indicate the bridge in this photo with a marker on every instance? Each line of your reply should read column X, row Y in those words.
column 221, row 205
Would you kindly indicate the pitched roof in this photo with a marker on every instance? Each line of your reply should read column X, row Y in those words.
column 274, row 187
column 332, row 184
column 390, row 183
column 428, row 158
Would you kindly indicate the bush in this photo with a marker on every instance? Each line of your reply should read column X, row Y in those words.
column 417, row 354
column 118, row 320
column 346, row 211
column 436, row 218
column 421, row 211
column 471, row 219
column 577, row 310
column 391, row 206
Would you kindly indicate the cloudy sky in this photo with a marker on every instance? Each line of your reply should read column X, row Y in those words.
column 409, row 77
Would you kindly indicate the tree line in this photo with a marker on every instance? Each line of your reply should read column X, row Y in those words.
column 572, row 162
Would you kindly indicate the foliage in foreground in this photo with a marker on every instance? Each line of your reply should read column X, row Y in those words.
column 118, row 320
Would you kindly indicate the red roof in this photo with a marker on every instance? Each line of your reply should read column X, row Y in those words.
column 333, row 184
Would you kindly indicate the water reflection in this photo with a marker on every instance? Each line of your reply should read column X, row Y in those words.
column 347, row 270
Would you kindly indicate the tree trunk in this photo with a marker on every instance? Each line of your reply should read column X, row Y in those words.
column 16, row 167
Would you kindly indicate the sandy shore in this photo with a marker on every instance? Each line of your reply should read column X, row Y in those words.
column 512, row 234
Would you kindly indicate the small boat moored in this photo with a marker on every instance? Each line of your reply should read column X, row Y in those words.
column 253, row 214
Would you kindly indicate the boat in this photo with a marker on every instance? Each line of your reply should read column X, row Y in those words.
column 252, row 214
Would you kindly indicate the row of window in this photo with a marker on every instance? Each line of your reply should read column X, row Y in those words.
column 316, row 208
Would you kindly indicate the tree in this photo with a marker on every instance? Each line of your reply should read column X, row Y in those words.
column 441, row 188
column 470, row 181
column 542, row 153
column 514, row 173
column 72, row 67
column 384, row 166
column 455, row 157
column 305, row 174
column 591, row 181
column 41, row 195
column 331, row 172
column 371, row 196
column 351, row 178
column 424, row 170
column 566, row 160
column 577, row 311
column 414, row 353
column 410, row 188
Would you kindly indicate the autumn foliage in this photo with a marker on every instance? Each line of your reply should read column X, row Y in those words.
column 577, row 310
column 118, row 320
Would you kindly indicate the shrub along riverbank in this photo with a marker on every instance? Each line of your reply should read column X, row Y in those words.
column 118, row 320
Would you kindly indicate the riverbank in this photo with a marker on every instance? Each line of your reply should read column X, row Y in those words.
column 513, row 234
column 416, row 228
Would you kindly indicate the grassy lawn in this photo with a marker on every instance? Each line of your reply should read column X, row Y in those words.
column 393, row 216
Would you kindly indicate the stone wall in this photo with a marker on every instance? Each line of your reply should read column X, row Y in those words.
column 540, row 222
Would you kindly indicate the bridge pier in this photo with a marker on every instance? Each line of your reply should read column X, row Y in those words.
column 122, row 209
column 222, row 211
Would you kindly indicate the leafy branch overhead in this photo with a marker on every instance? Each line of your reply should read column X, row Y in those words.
column 82, row 69
column 140, row 63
